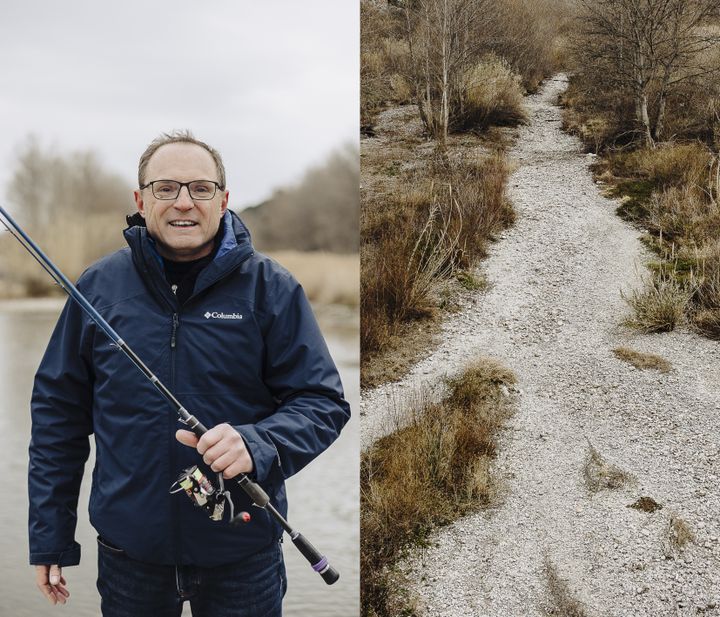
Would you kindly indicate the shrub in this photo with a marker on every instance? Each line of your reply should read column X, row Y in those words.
column 419, row 236
column 706, row 296
column 672, row 164
column 490, row 94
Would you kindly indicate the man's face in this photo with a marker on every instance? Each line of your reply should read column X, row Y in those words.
column 167, row 220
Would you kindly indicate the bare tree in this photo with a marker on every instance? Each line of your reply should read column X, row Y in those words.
column 647, row 48
column 442, row 40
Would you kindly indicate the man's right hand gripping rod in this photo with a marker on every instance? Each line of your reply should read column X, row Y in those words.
column 260, row 499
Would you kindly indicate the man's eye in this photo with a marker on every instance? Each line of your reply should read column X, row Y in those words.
column 202, row 188
column 164, row 188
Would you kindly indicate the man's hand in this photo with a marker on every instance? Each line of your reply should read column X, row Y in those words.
column 51, row 583
column 222, row 447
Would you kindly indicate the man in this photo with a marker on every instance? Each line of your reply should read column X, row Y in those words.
column 232, row 335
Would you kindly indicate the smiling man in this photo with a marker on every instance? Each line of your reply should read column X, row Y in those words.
column 233, row 336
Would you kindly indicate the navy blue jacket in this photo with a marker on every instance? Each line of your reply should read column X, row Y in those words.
column 243, row 349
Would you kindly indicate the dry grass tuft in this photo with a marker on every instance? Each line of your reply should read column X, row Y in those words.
column 428, row 473
column 671, row 165
column 706, row 288
column 660, row 306
column 599, row 474
column 418, row 235
column 642, row 360
column 562, row 602
column 492, row 94
column 677, row 536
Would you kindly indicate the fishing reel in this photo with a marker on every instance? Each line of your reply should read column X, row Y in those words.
column 204, row 494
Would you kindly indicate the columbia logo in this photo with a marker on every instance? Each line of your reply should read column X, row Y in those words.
column 216, row 315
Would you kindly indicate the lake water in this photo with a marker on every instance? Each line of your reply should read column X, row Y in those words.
column 323, row 497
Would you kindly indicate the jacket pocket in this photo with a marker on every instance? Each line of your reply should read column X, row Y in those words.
column 103, row 544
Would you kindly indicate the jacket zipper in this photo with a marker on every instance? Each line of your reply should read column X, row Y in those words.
column 173, row 421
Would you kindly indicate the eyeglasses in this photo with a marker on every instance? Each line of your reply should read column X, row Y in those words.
column 170, row 189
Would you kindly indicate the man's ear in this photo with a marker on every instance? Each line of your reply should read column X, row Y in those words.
column 224, row 204
column 139, row 202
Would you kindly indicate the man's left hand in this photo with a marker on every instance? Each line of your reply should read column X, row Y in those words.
column 222, row 447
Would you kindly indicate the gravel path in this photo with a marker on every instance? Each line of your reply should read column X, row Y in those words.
column 552, row 315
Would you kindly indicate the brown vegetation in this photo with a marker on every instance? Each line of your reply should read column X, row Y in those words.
column 428, row 211
column 599, row 474
column 422, row 52
column 320, row 213
column 327, row 278
column 72, row 208
column 678, row 535
column 414, row 237
column 648, row 55
column 642, row 360
column 646, row 504
column 644, row 93
column 432, row 470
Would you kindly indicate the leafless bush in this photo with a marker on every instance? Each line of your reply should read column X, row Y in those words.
column 646, row 51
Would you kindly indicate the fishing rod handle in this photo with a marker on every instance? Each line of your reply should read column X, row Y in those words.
column 318, row 561
column 260, row 498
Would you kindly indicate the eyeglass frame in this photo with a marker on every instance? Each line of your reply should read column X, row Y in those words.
column 182, row 184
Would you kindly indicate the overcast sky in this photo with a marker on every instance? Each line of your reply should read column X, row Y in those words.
column 273, row 85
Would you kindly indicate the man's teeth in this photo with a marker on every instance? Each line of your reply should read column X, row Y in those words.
column 182, row 223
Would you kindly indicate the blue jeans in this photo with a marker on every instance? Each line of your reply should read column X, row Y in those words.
column 253, row 587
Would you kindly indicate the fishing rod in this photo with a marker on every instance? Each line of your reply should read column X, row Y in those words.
column 258, row 496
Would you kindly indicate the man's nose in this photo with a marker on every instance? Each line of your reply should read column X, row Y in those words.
column 184, row 200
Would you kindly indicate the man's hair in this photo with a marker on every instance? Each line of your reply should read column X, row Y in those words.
column 174, row 137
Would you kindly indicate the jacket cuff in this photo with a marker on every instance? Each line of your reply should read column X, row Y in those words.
column 262, row 451
column 70, row 557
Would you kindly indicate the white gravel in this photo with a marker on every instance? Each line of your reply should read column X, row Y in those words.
column 553, row 316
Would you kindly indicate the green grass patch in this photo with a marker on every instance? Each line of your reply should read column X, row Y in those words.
column 470, row 281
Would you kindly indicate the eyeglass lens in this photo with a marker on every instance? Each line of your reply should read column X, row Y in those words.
column 170, row 189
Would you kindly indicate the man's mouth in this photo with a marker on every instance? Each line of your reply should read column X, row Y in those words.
column 183, row 223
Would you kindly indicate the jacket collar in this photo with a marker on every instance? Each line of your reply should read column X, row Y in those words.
column 235, row 247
